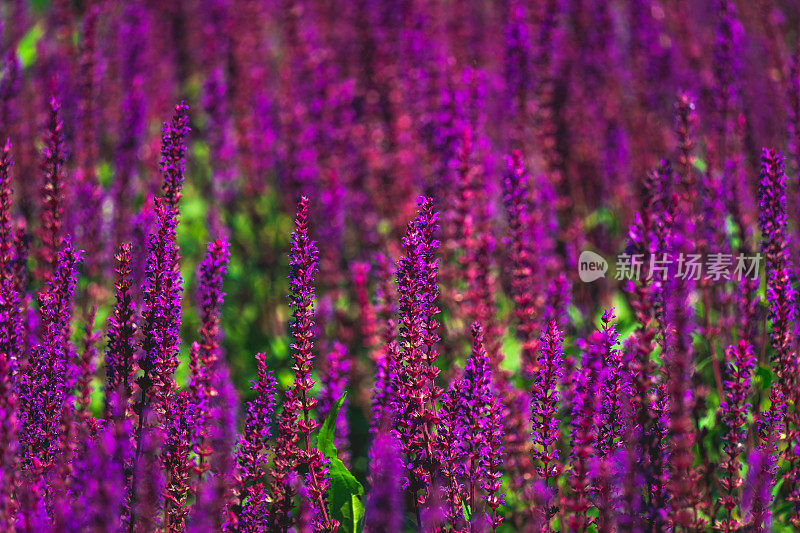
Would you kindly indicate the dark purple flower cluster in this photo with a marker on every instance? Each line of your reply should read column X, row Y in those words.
column 445, row 362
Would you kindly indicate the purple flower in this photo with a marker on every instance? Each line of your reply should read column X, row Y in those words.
column 119, row 355
column 206, row 352
column 287, row 458
column 178, row 461
column 780, row 293
column 545, row 410
column 756, row 494
column 162, row 312
column 415, row 401
column 9, row 428
column 384, row 506
column 253, row 443
column 614, row 388
column 173, row 154
column 46, row 381
column 215, row 494
column 586, row 418
column 303, row 261
column 11, row 327
column 740, row 362
column 52, row 208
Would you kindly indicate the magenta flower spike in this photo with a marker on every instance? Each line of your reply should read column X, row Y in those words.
column 250, row 468
column 52, row 194
column 120, row 352
column 415, row 401
column 303, row 261
column 545, row 407
column 739, row 366
column 173, row 154
column 209, row 299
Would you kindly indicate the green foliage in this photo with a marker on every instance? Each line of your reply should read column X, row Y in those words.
column 345, row 492
column 26, row 50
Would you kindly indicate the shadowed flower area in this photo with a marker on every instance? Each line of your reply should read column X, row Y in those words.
column 399, row 266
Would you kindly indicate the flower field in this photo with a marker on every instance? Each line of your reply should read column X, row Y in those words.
column 384, row 266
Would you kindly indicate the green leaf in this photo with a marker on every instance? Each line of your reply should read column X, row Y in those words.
column 26, row 49
column 345, row 492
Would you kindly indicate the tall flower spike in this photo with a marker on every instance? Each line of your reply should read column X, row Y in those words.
column 9, row 428
column 477, row 404
column 416, row 395
column 173, row 153
column 756, row 494
column 161, row 317
column 47, row 379
column 303, row 261
column 775, row 424
column 11, row 327
column 739, row 368
column 521, row 256
column 215, row 493
column 586, row 416
column 614, row 387
column 121, row 335
column 450, row 453
column 209, row 300
column 545, row 410
column 161, row 322
column 774, row 245
column 253, row 443
column 287, row 454
column 178, row 462
column 52, row 192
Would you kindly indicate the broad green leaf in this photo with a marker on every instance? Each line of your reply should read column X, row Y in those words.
column 345, row 492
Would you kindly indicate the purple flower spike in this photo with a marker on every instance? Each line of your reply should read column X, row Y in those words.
column 206, row 353
column 740, row 362
column 52, row 193
column 48, row 378
column 774, row 245
column 586, row 418
column 614, row 388
column 173, row 154
column 121, row 333
column 304, row 261
column 757, row 495
column 253, row 443
column 178, row 462
column 11, row 327
column 545, row 410
column 9, row 428
column 417, row 413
